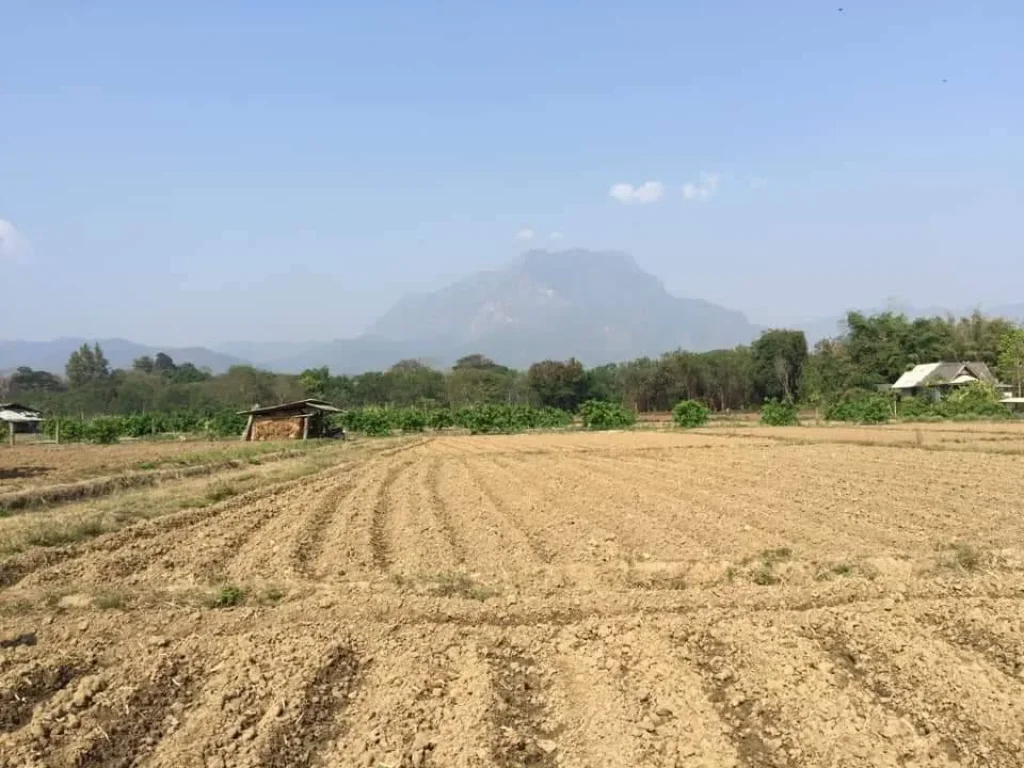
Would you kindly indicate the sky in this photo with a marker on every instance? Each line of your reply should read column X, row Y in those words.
column 193, row 173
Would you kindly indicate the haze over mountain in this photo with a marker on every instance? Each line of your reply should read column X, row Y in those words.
column 597, row 306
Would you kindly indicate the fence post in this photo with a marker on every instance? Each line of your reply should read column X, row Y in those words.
column 10, row 432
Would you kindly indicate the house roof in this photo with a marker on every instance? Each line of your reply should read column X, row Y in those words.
column 937, row 374
column 310, row 404
column 19, row 413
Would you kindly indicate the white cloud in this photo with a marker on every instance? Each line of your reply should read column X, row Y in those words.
column 525, row 234
column 758, row 183
column 704, row 189
column 627, row 194
column 556, row 236
column 14, row 246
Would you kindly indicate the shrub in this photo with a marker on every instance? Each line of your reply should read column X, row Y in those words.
column 441, row 418
column 975, row 400
column 103, row 430
column 597, row 414
column 916, row 408
column 371, row 421
column 690, row 413
column 780, row 413
column 410, row 419
column 861, row 406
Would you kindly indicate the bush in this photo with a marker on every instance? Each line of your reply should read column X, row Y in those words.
column 442, row 418
column 780, row 413
column 978, row 400
column 916, row 408
column 601, row 415
column 373, row 420
column 104, row 430
column 861, row 406
column 690, row 413
column 410, row 419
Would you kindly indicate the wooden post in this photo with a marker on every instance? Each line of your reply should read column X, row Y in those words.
column 305, row 427
column 248, row 429
column 56, row 431
column 10, row 432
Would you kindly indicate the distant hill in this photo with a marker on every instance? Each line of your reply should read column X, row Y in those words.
column 53, row 355
column 597, row 306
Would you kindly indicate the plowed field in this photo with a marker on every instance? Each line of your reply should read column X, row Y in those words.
column 602, row 600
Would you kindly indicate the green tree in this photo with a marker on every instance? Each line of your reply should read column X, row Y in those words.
column 1011, row 358
column 143, row 364
column 315, row 381
column 558, row 384
column 778, row 358
column 163, row 364
column 86, row 365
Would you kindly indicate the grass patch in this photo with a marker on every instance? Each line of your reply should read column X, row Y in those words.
column 963, row 557
column 228, row 597
column 461, row 585
column 110, row 600
column 765, row 575
column 60, row 532
column 219, row 492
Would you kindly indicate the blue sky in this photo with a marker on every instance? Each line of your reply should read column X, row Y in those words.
column 199, row 172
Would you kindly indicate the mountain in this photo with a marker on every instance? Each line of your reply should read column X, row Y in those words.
column 53, row 355
column 597, row 306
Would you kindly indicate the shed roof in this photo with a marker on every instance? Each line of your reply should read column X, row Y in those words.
column 19, row 413
column 936, row 374
column 310, row 404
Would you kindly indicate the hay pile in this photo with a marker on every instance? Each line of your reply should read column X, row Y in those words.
column 277, row 429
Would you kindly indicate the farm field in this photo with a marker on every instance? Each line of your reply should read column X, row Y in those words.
column 727, row 597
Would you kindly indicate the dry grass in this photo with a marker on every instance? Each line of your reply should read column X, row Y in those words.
column 78, row 521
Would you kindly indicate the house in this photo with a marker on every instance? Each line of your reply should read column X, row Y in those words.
column 935, row 380
column 19, row 418
column 289, row 421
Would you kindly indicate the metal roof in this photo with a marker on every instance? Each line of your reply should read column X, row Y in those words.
column 18, row 413
column 915, row 376
column 311, row 403
column 932, row 374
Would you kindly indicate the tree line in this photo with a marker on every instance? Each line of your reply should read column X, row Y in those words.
column 872, row 352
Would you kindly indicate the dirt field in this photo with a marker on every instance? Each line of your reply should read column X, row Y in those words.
column 31, row 465
column 635, row 599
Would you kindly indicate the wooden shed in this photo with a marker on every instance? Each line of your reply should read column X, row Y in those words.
column 15, row 417
column 290, row 421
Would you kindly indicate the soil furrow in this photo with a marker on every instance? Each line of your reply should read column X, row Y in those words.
column 506, row 511
column 298, row 741
column 381, row 510
column 975, row 713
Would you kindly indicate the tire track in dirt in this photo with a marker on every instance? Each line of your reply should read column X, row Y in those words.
column 297, row 741
column 975, row 714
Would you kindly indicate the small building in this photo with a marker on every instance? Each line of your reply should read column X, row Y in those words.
column 936, row 380
column 290, row 421
column 17, row 418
